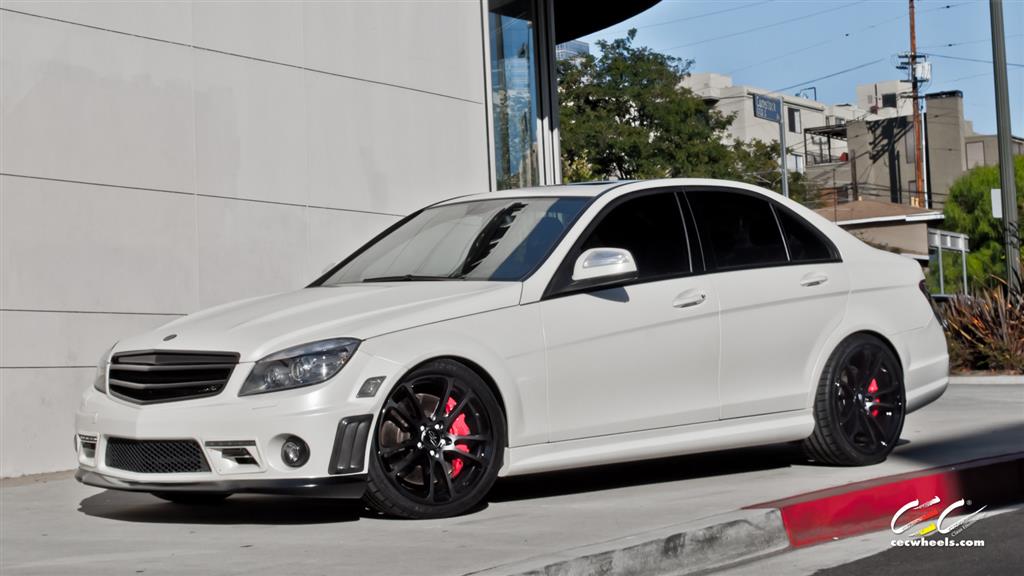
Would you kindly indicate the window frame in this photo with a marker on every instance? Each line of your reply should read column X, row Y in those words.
column 711, row 266
column 560, row 283
column 793, row 116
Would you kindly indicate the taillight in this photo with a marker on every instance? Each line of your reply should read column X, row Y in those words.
column 931, row 302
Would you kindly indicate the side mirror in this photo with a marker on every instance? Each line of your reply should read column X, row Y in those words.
column 603, row 266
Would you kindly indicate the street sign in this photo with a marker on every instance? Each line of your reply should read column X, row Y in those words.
column 768, row 108
column 997, row 203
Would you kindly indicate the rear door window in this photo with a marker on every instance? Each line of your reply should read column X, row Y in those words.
column 737, row 230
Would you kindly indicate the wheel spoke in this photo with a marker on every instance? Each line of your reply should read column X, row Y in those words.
column 850, row 413
column 406, row 465
column 447, row 475
column 428, row 476
column 470, row 438
column 874, row 363
column 466, row 456
column 867, row 427
column 450, row 418
column 402, row 447
column 405, row 420
column 442, row 402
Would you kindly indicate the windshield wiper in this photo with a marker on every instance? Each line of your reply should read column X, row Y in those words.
column 409, row 278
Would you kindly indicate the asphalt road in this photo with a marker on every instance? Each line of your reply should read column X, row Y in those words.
column 1001, row 554
column 53, row 525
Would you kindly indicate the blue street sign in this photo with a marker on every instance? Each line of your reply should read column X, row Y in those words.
column 768, row 108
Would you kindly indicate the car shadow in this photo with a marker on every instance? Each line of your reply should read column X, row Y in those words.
column 999, row 440
column 597, row 478
column 238, row 509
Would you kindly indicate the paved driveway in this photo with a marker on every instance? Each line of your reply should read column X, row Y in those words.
column 52, row 525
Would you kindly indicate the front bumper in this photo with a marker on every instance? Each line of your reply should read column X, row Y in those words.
column 330, row 418
column 351, row 486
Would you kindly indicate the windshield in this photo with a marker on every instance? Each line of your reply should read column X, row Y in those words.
column 481, row 240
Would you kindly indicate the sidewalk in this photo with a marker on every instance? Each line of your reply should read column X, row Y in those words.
column 56, row 526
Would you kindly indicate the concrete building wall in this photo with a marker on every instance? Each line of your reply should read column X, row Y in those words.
column 162, row 157
column 738, row 101
column 946, row 160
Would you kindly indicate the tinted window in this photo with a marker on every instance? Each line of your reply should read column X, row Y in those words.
column 737, row 230
column 803, row 241
column 651, row 228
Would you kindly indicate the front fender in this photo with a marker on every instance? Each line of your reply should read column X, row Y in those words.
column 507, row 344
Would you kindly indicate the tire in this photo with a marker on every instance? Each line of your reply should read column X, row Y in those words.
column 438, row 444
column 859, row 406
column 193, row 498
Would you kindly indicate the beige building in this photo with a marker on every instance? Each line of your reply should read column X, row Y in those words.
column 799, row 113
column 881, row 153
column 162, row 157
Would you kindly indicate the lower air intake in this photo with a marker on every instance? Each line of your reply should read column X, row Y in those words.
column 156, row 456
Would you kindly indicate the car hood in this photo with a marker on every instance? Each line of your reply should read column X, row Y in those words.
column 261, row 326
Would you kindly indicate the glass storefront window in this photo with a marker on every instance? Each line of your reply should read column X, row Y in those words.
column 514, row 92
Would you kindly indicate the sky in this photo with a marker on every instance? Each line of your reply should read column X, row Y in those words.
column 776, row 44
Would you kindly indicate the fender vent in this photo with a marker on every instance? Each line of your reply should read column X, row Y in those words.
column 350, row 445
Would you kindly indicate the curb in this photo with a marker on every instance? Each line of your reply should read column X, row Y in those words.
column 703, row 545
column 1005, row 379
column 868, row 506
column 763, row 529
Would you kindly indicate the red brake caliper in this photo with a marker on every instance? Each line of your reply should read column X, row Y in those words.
column 459, row 428
column 872, row 388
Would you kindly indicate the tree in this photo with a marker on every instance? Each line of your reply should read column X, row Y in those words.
column 626, row 115
column 969, row 210
column 757, row 162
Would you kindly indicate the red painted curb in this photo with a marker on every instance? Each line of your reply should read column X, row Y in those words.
column 868, row 506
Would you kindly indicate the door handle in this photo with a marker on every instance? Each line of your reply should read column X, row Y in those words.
column 813, row 280
column 689, row 298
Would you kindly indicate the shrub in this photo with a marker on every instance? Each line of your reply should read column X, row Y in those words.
column 986, row 331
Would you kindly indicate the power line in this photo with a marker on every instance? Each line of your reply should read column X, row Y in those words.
column 987, row 73
column 843, row 37
column 688, row 18
column 832, row 75
column 967, row 42
column 978, row 60
column 764, row 26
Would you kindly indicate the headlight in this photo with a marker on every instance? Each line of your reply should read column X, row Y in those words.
column 299, row 366
column 99, row 382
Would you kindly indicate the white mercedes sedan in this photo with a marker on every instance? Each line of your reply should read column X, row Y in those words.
column 526, row 331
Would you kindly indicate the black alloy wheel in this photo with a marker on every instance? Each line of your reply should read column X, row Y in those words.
column 860, row 404
column 438, row 443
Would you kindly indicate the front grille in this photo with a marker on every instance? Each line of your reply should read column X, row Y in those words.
column 155, row 456
column 165, row 376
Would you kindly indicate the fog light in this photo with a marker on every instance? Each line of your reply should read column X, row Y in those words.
column 294, row 451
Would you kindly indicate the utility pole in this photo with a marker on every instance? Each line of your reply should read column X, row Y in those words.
column 782, row 147
column 1011, row 233
column 918, row 197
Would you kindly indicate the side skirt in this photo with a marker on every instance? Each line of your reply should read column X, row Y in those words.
column 660, row 443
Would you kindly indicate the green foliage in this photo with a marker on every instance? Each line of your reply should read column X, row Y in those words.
column 757, row 162
column 969, row 210
column 625, row 115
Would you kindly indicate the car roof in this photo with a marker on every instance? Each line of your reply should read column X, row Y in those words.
column 593, row 189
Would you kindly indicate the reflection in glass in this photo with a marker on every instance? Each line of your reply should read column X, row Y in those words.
column 514, row 93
